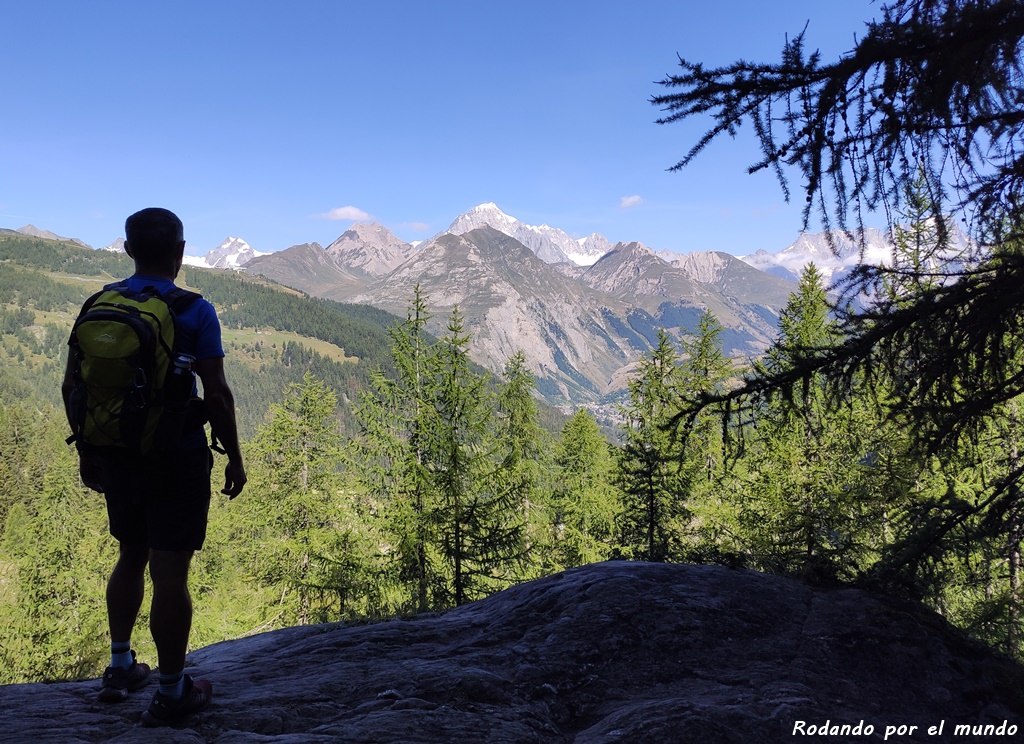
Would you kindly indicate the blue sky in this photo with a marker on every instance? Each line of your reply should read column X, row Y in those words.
column 264, row 120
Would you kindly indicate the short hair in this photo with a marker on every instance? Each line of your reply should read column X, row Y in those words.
column 153, row 234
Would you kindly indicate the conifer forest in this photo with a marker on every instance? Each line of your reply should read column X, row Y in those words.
column 875, row 443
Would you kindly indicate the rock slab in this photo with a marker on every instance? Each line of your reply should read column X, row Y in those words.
column 610, row 652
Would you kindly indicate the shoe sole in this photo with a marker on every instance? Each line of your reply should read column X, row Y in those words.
column 112, row 695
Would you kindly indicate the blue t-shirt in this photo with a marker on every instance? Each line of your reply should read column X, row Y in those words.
column 200, row 335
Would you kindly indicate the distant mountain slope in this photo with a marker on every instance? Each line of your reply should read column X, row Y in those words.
column 514, row 300
column 581, row 327
column 745, row 301
column 310, row 268
column 35, row 232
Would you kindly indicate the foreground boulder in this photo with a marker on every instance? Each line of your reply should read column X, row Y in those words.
column 611, row 652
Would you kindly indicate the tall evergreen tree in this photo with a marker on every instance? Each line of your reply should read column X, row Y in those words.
column 520, row 449
column 395, row 416
column 704, row 371
column 648, row 473
column 295, row 457
column 585, row 507
column 53, row 554
column 479, row 521
column 805, row 512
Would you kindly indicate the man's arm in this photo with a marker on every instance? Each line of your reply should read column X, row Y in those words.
column 220, row 407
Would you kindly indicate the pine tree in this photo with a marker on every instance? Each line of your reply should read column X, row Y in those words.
column 520, row 447
column 479, row 522
column 295, row 455
column 804, row 509
column 704, row 371
column 648, row 473
column 55, row 556
column 390, row 454
column 585, row 507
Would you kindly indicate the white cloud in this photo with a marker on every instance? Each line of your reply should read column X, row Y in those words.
column 345, row 213
column 418, row 226
column 630, row 201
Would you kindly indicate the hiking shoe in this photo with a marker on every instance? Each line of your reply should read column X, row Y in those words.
column 119, row 681
column 165, row 710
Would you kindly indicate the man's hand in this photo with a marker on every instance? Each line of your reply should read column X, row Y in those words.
column 234, row 478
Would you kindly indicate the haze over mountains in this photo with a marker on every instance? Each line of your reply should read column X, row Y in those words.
column 583, row 310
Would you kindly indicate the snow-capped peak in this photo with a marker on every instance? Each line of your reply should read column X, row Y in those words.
column 549, row 243
column 233, row 253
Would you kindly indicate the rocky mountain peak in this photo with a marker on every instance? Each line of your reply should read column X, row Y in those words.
column 369, row 248
column 706, row 266
column 233, row 253
column 485, row 214
column 35, row 232
column 623, row 266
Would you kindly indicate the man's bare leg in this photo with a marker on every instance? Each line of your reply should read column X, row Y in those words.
column 125, row 591
column 170, row 617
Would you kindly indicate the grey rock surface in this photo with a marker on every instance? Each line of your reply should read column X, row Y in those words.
column 612, row 652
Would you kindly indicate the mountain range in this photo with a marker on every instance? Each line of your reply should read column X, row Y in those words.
column 582, row 309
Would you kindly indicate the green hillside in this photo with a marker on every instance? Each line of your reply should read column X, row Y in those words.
column 272, row 335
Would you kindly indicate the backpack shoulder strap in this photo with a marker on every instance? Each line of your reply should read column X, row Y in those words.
column 89, row 302
column 179, row 299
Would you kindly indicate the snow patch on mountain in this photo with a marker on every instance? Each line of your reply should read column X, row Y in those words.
column 833, row 264
column 233, row 253
column 836, row 264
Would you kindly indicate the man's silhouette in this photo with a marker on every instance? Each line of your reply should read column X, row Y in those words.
column 158, row 503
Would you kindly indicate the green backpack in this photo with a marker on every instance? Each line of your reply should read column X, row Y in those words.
column 132, row 385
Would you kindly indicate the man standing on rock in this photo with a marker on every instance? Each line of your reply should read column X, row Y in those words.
column 158, row 502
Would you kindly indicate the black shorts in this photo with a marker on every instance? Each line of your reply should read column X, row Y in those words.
column 161, row 500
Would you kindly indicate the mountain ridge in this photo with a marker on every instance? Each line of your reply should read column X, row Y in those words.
column 582, row 327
